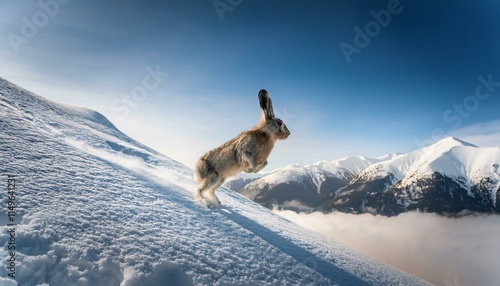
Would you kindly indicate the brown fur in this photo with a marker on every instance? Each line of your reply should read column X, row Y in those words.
column 247, row 152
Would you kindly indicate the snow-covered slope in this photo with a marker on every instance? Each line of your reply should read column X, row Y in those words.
column 95, row 207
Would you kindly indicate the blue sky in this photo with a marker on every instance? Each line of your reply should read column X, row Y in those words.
column 196, row 70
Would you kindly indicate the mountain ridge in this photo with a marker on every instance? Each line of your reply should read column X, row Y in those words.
column 390, row 184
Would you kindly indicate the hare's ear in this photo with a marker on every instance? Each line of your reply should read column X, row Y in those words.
column 266, row 104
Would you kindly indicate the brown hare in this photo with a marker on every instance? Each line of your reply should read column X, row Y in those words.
column 247, row 152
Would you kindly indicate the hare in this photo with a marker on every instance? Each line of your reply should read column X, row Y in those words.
column 247, row 152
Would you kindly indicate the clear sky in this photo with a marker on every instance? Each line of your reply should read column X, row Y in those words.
column 349, row 78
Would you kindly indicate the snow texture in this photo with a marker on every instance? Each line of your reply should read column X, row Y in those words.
column 95, row 207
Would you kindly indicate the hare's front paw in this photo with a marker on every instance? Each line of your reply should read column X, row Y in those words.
column 259, row 168
column 249, row 170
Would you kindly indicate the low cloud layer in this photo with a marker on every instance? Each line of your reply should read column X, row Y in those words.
column 444, row 251
column 485, row 134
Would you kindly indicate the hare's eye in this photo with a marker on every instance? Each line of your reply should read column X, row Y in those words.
column 279, row 123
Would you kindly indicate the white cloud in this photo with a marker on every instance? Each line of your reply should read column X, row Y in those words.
column 486, row 134
column 438, row 249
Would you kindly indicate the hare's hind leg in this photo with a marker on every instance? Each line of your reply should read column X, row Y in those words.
column 205, row 177
column 198, row 194
column 209, row 180
column 203, row 185
column 206, row 190
column 209, row 192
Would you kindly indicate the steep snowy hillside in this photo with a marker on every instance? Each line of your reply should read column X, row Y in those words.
column 449, row 176
column 94, row 207
column 303, row 188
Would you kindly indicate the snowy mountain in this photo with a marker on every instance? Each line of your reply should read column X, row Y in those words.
column 95, row 207
column 447, row 177
column 302, row 188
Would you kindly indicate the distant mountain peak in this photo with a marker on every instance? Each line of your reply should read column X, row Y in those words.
column 453, row 141
column 438, row 148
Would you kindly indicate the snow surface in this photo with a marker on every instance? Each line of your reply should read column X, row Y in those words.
column 95, row 207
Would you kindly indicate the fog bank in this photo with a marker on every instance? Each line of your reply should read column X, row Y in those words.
column 445, row 251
